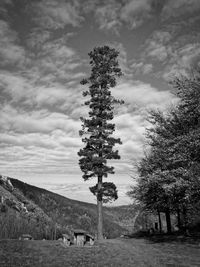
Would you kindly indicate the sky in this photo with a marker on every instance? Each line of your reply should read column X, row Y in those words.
column 44, row 46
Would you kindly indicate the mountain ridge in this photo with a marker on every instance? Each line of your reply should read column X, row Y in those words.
column 55, row 211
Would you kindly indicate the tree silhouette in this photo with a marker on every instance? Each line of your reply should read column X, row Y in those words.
column 99, row 141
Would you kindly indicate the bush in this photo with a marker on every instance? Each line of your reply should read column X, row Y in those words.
column 3, row 208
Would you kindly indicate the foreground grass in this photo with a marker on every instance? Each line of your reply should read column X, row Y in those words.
column 115, row 252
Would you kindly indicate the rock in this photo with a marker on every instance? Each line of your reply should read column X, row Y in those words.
column 25, row 237
column 5, row 181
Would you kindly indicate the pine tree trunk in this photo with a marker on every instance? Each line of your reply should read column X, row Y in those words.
column 99, row 210
column 55, row 233
column 179, row 219
column 168, row 221
column 160, row 222
column 185, row 219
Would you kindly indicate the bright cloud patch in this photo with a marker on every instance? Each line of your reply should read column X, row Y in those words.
column 136, row 12
column 142, row 94
column 131, row 119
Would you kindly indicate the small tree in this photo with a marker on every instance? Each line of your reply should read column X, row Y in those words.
column 99, row 142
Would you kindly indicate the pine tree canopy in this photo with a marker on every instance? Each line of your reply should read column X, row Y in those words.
column 97, row 127
column 108, row 191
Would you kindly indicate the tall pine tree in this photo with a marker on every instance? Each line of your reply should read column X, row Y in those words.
column 99, row 142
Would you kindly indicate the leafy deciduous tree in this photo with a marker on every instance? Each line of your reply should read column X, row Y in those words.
column 169, row 173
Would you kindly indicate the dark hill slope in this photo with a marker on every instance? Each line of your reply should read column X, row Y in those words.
column 67, row 212
column 20, row 215
column 125, row 216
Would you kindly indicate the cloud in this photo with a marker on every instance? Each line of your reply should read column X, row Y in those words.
column 26, row 140
column 141, row 68
column 162, row 36
column 122, row 58
column 56, row 14
column 130, row 119
column 10, row 52
column 158, row 46
column 38, row 142
column 55, row 61
column 66, row 99
column 177, row 50
column 112, row 14
column 57, row 49
column 39, row 160
column 130, row 128
column 37, row 37
column 185, row 59
column 142, row 94
column 174, row 9
column 157, row 51
column 147, row 68
column 41, row 121
column 190, row 55
column 28, row 93
column 14, row 86
column 135, row 12
column 3, row 5
column 38, row 84
column 107, row 16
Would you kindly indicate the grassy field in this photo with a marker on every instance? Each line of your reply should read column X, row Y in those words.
column 112, row 252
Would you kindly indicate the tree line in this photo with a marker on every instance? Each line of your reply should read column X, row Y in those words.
column 169, row 173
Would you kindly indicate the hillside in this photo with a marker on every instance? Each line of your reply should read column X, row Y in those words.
column 53, row 213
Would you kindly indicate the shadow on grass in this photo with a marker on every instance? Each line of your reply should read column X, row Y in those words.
column 192, row 238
